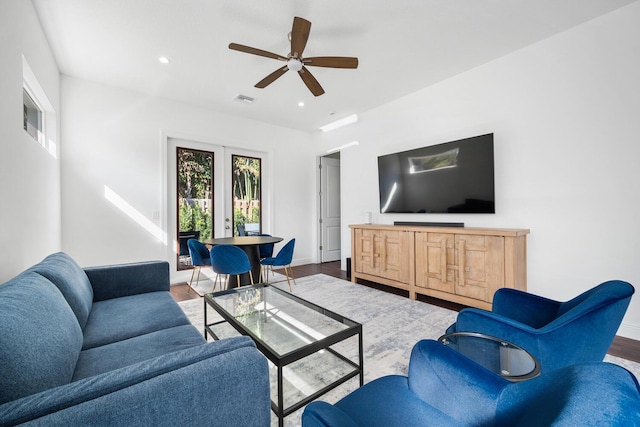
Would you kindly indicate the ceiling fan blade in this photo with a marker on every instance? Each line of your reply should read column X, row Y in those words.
column 254, row 51
column 299, row 36
column 311, row 82
column 271, row 77
column 332, row 61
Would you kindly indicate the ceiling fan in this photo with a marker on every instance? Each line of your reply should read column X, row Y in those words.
column 295, row 61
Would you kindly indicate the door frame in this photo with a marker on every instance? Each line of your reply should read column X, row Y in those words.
column 167, row 196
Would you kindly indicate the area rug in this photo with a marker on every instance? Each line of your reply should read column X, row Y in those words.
column 207, row 277
column 391, row 326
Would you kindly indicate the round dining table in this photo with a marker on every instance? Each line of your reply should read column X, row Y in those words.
column 250, row 245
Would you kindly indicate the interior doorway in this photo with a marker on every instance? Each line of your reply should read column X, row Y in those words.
column 330, row 239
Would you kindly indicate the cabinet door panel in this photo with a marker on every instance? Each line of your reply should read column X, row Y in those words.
column 480, row 266
column 392, row 255
column 364, row 240
column 434, row 261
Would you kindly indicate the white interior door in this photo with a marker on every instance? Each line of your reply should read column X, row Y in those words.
column 330, row 241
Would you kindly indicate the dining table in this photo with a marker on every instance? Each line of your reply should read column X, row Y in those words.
column 250, row 245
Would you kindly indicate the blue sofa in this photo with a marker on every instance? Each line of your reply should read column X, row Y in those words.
column 109, row 346
column 444, row 388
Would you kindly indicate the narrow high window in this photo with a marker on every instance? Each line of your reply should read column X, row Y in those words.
column 39, row 119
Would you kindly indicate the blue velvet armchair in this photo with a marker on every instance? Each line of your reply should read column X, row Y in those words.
column 556, row 333
column 444, row 388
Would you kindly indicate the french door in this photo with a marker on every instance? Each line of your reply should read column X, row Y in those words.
column 210, row 190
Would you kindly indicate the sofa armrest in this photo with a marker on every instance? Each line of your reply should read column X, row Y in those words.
column 533, row 310
column 114, row 281
column 220, row 383
column 323, row 414
column 453, row 383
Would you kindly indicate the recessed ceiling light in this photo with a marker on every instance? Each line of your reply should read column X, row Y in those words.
column 164, row 59
column 300, row 104
column 244, row 98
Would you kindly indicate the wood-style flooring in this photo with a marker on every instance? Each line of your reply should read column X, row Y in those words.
column 621, row 347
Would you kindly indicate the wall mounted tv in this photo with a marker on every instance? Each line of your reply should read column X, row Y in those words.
column 454, row 177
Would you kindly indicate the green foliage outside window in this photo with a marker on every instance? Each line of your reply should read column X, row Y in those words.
column 195, row 188
column 246, row 190
column 195, row 218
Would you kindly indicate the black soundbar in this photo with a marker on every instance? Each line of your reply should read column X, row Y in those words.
column 429, row 224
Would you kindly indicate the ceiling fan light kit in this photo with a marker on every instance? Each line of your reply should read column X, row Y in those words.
column 295, row 61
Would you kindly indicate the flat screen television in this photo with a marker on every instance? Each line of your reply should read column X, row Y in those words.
column 454, row 177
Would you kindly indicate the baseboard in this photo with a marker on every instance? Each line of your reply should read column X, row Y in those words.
column 629, row 331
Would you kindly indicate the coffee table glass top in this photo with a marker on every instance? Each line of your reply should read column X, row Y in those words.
column 277, row 319
column 498, row 355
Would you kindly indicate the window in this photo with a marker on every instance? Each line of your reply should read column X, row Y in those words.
column 195, row 199
column 246, row 181
column 39, row 117
column 32, row 117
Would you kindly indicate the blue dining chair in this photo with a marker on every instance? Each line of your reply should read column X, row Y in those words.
column 283, row 259
column 199, row 258
column 228, row 259
column 265, row 250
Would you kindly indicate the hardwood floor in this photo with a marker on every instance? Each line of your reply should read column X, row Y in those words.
column 621, row 346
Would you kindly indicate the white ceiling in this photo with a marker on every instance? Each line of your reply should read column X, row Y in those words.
column 402, row 46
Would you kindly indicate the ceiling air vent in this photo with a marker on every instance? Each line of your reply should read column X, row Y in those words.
column 244, row 98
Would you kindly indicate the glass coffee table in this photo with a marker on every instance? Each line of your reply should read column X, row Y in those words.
column 308, row 346
column 495, row 354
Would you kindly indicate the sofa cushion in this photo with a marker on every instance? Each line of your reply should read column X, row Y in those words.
column 122, row 318
column 40, row 338
column 98, row 360
column 72, row 281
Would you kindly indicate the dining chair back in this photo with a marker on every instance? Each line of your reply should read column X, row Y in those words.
column 228, row 259
column 265, row 250
column 282, row 259
column 199, row 258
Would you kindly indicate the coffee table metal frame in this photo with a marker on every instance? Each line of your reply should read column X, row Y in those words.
column 282, row 360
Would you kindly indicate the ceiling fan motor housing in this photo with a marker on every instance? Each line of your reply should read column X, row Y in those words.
column 294, row 64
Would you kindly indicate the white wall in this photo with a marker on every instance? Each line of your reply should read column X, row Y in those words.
column 566, row 118
column 115, row 138
column 30, row 222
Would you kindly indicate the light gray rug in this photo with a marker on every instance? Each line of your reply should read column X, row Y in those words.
column 207, row 277
column 391, row 326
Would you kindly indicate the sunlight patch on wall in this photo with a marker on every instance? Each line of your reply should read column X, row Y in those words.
column 135, row 215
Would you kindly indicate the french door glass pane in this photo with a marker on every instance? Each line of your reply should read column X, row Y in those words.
column 246, row 181
column 195, row 199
